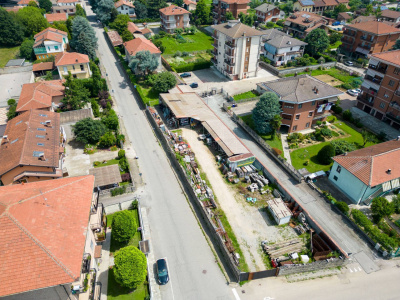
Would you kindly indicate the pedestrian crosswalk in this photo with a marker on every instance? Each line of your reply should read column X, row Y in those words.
column 354, row 269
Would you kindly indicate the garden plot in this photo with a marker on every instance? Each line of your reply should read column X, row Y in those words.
column 250, row 222
column 329, row 80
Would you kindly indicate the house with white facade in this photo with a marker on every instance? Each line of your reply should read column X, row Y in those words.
column 368, row 172
column 50, row 42
column 280, row 47
column 136, row 45
column 125, row 8
column 237, row 49
column 173, row 17
column 269, row 13
column 69, row 3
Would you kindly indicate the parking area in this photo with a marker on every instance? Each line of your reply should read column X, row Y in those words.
column 11, row 85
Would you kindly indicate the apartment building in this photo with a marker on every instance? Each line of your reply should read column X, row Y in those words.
column 365, row 38
column 125, row 8
column 32, row 148
column 221, row 7
column 237, row 49
column 380, row 91
column 322, row 5
column 50, row 42
column 280, row 47
column 75, row 63
column 269, row 13
column 173, row 17
column 300, row 24
column 304, row 99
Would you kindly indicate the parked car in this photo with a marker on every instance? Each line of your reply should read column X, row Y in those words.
column 184, row 75
column 353, row 92
column 182, row 83
column 348, row 63
column 162, row 271
column 336, row 23
column 194, row 85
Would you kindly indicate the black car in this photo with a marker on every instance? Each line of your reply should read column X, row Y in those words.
column 162, row 271
column 194, row 85
column 183, row 75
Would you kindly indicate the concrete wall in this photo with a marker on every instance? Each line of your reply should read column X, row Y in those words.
column 314, row 266
column 282, row 72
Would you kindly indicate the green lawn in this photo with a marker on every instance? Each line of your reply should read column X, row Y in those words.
column 245, row 95
column 149, row 95
column 299, row 156
column 335, row 45
column 108, row 163
column 6, row 54
column 274, row 143
column 336, row 73
column 196, row 42
column 117, row 292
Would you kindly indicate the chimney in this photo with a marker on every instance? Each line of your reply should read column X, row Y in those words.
column 398, row 137
column 76, row 60
column 48, row 123
column 5, row 138
column 389, row 171
column 345, row 154
column 42, row 157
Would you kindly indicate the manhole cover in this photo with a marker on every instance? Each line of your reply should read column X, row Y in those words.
column 204, row 271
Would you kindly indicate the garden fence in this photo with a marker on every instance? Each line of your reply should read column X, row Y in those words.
column 282, row 72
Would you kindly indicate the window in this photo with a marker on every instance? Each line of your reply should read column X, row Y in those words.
column 41, row 129
column 338, row 169
column 73, row 67
column 386, row 95
column 48, row 48
column 286, row 117
column 40, row 136
column 65, row 70
column 300, row 105
column 310, row 113
column 391, row 83
column 294, row 127
column 396, row 71
column 313, row 102
column 82, row 68
column 335, row 178
column 40, row 144
column 37, row 153
column 14, row 141
column 247, row 58
column 308, row 125
column 91, row 245
column 19, row 122
column 382, row 105
column 74, row 76
column 55, row 47
column 297, row 116
column 288, row 106
column 42, row 115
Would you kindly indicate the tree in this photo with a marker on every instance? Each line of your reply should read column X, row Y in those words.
column 378, row 12
column 202, row 12
column 317, row 40
column 33, row 4
column 107, row 140
column 140, row 10
column 342, row 146
column 159, row 45
column 368, row 10
column 11, row 32
column 367, row 137
column 343, row 207
column 266, row 109
column 395, row 47
column 80, row 11
column 49, row 76
column 178, row 31
column 76, row 95
column 97, row 84
column 89, row 131
column 103, row 10
column 381, row 208
column 334, row 37
column 32, row 20
column 111, row 120
column 143, row 62
column 178, row 3
column 396, row 203
column 325, row 155
column 126, row 35
column 84, row 39
column 60, row 25
column 229, row 16
column 123, row 226
column 275, row 124
column 130, row 268
column 12, row 109
column 164, row 81
column 120, row 23
column 26, row 50
column 153, row 7
column 287, row 8
column 46, row 5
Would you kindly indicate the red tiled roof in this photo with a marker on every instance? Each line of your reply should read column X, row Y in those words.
column 56, row 17
column 173, row 10
column 299, row 19
column 390, row 13
column 123, row 2
column 392, row 57
column 43, row 66
column 345, row 15
column 39, row 94
column 146, row 30
column 17, row 149
column 49, row 34
column 137, row 45
column 43, row 229
column 25, row 2
column 236, row 1
column 371, row 164
column 374, row 27
column 115, row 38
column 14, row 8
column 71, row 58
column 132, row 28
column 188, row 2
column 67, row 1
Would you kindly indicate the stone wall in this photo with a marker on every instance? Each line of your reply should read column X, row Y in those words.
column 283, row 72
column 314, row 266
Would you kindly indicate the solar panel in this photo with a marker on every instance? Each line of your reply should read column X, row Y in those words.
column 307, row 2
column 305, row 16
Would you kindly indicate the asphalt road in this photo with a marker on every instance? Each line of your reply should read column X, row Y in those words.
column 175, row 232
column 330, row 221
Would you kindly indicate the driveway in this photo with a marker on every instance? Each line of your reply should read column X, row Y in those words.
column 11, row 85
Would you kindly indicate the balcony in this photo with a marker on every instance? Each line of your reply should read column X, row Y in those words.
column 375, row 80
column 379, row 68
column 40, row 50
column 365, row 46
column 228, row 71
column 215, row 45
column 229, row 54
column 98, row 221
column 393, row 117
column 86, row 288
column 369, row 100
column 230, row 44
column 87, row 258
column 348, row 32
column 347, row 41
column 395, row 105
column 229, row 62
column 397, row 92
column 214, row 61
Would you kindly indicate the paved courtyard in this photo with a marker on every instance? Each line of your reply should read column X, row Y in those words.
column 11, row 85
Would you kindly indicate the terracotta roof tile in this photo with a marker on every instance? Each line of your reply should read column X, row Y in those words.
column 236, row 1
column 123, row 2
column 25, row 2
column 392, row 57
column 345, row 15
column 374, row 27
column 132, row 27
column 136, row 45
column 67, row 1
column 115, row 38
column 43, row 66
column 390, row 14
column 371, row 164
column 146, row 30
column 21, row 142
column 56, row 17
column 188, row 2
column 14, row 8
column 39, row 94
column 298, row 18
column 70, row 58
column 49, row 34
column 43, row 229
column 173, row 10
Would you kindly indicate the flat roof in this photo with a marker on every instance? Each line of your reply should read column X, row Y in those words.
column 190, row 105
column 106, row 175
column 279, row 208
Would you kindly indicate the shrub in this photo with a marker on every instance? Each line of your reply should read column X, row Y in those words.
column 346, row 86
column 118, row 191
column 126, row 177
column 164, row 81
column 177, row 54
column 326, row 132
column 111, row 120
column 96, row 163
column 11, row 102
column 123, row 226
column 123, row 163
column 184, row 53
column 347, row 115
column 130, row 268
column 381, row 208
column 381, row 136
column 277, row 151
column 343, row 207
column 88, row 131
column 95, row 108
column 107, row 140
column 318, row 123
column 361, row 219
column 337, row 109
column 331, row 119
column 325, row 155
column 342, row 146
column 12, row 112
column 193, row 66
column 121, row 154
column 120, row 138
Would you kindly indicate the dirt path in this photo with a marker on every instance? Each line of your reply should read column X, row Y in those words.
column 250, row 225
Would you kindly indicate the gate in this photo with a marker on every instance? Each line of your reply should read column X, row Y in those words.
column 258, row 275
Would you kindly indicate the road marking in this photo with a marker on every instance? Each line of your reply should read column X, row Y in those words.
column 351, row 271
column 235, row 294
column 359, row 268
column 170, row 279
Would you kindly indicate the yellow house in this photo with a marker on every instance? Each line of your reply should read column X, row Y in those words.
column 75, row 63
column 50, row 42
column 303, row 5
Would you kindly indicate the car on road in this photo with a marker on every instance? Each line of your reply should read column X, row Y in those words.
column 353, row 92
column 194, row 85
column 184, row 75
column 349, row 63
column 162, row 271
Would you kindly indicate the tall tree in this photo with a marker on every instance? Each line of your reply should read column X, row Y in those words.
column 76, row 95
column 130, row 269
column 32, row 4
column 381, row 208
column 32, row 19
column 317, row 40
column 46, row 5
column 143, row 62
column 11, row 32
column 275, row 124
column 89, row 131
column 229, row 16
column 61, row 26
column 103, row 10
column 80, row 11
column 84, row 39
column 178, row 3
column 140, row 10
column 164, row 82
column 26, row 49
column 265, row 111
column 153, row 7
column 202, row 12
column 120, row 24
column 367, row 137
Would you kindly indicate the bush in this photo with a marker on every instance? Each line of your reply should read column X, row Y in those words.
column 95, row 108
column 130, row 268
column 326, row 132
column 346, row 86
column 347, row 115
column 120, row 138
column 124, row 165
column 107, row 140
column 177, row 54
column 381, row 136
column 123, row 226
column 111, row 120
column 318, row 123
column 277, row 151
column 381, row 208
column 361, row 219
column 191, row 66
column 325, row 155
column 343, row 207
column 121, row 154
column 88, row 131
column 164, row 82
column 96, row 163
column 342, row 146
column 331, row 119
column 337, row 109
column 11, row 102
column 118, row 191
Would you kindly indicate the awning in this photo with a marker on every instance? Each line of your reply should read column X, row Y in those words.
column 395, row 183
column 362, row 50
column 386, row 186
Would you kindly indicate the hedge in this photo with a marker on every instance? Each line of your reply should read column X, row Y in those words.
column 191, row 66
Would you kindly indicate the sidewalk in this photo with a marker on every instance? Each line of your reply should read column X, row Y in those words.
column 286, row 149
column 103, row 268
